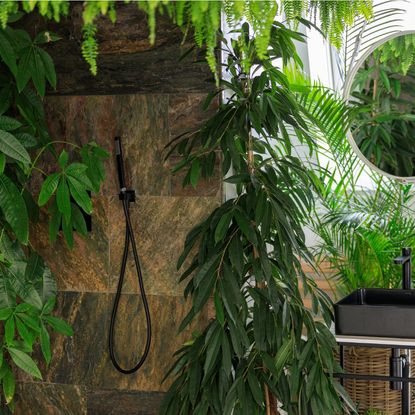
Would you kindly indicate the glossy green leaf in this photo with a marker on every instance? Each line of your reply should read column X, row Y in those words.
column 14, row 208
column 24, row 333
column 59, row 325
column 38, row 73
column 9, row 330
column 9, row 123
column 45, row 344
column 54, row 223
column 10, row 146
column 9, row 386
column 62, row 199
column 80, row 195
column 78, row 221
column 63, row 159
column 219, row 309
column 5, row 313
column 25, row 362
column 2, row 162
column 223, row 226
column 24, row 69
column 195, row 172
column 49, row 67
column 7, row 53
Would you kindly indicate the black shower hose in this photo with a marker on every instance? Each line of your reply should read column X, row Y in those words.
column 129, row 237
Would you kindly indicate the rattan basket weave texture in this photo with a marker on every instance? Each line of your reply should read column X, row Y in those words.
column 372, row 394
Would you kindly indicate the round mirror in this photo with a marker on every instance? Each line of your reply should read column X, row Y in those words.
column 381, row 88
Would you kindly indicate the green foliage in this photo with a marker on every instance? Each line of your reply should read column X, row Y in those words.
column 398, row 53
column 247, row 254
column 383, row 91
column 27, row 287
column 203, row 18
column 361, row 230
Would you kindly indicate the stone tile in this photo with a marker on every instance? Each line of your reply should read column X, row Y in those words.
column 86, row 266
column 50, row 399
column 186, row 112
column 115, row 402
column 84, row 360
column 161, row 225
column 142, row 122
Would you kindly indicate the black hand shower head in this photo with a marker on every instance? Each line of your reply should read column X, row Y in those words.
column 127, row 196
column 120, row 162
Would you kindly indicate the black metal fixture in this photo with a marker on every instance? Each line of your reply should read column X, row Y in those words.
column 406, row 261
column 127, row 196
column 400, row 361
column 377, row 312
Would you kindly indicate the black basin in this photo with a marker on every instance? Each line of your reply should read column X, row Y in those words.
column 376, row 312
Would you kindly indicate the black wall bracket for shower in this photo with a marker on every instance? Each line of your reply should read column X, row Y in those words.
column 127, row 194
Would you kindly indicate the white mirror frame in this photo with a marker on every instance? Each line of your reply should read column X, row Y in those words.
column 346, row 96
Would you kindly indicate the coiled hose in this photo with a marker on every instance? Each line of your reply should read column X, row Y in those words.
column 126, row 197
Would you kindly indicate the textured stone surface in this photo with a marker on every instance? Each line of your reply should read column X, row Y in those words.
column 161, row 225
column 84, row 360
column 110, row 402
column 127, row 62
column 141, row 121
column 186, row 113
column 50, row 399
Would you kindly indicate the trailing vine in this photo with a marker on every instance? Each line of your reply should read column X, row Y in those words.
column 204, row 18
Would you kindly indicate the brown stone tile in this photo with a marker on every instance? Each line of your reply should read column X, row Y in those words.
column 186, row 112
column 161, row 225
column 142, row 122
column 116, row 402
column 84, row 360
column 50, row 399
column 86, row 266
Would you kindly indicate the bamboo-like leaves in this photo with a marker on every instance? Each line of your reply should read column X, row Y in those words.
column 246, row 254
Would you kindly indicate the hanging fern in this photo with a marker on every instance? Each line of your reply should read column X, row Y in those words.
column 204, row 18
column 90, row 46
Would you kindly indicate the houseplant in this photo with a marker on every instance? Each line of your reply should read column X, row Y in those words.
column 27, row 288
column 264, row 345
column 360, row 230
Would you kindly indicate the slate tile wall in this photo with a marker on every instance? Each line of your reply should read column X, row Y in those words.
column 80, row 379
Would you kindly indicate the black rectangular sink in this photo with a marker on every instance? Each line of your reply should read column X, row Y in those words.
column 376, row 312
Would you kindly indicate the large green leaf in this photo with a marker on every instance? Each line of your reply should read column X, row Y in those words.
column 7, row 53
column 80, row 194
column 25, row 362
column 9, row 384
column 49, row 187
column 12, row 147
column 40, row 277
column 14, row 208
column 24, row 70
column 7, row 293
column 62, row 199
column 23, row 288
